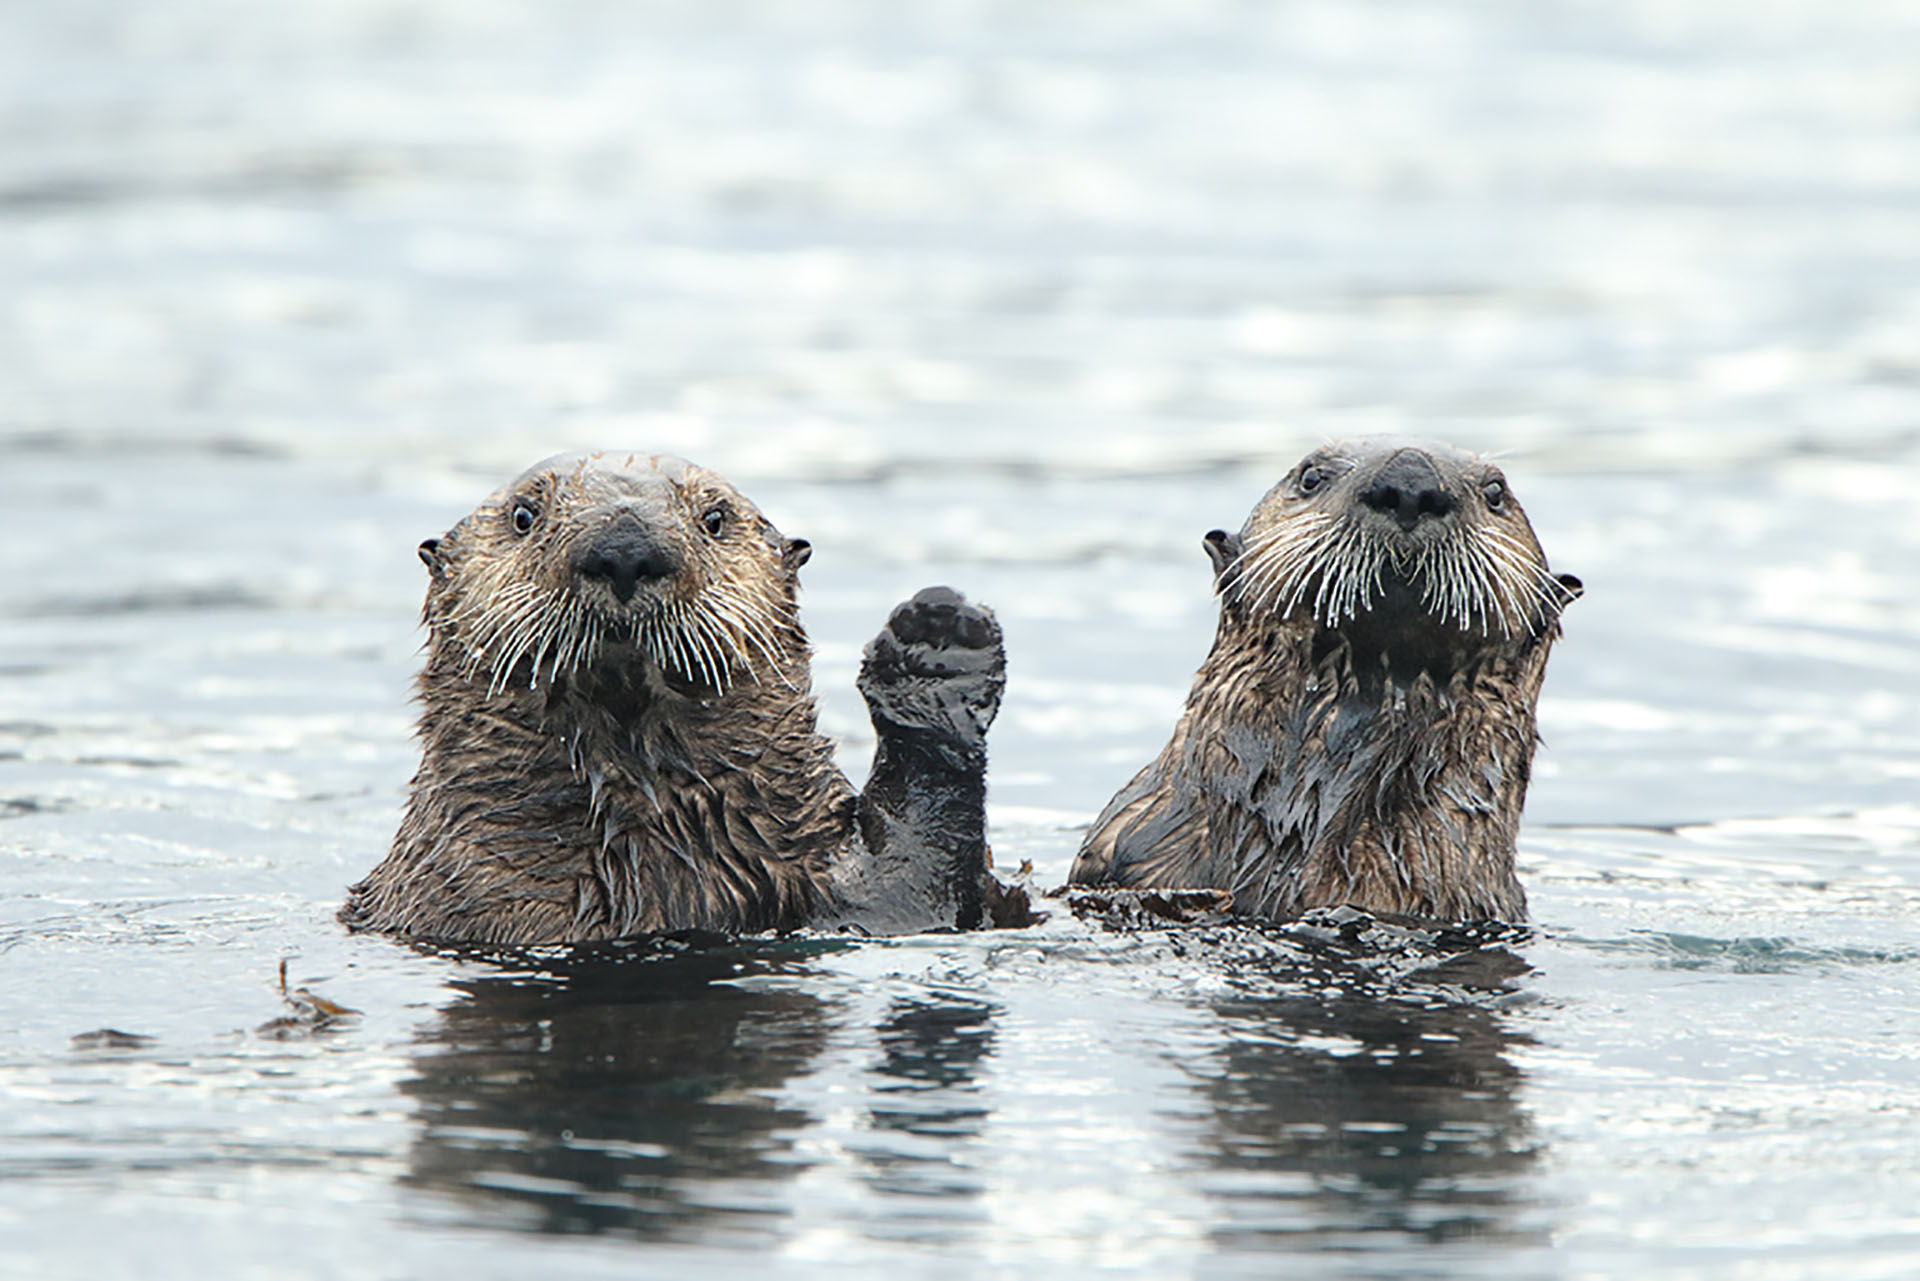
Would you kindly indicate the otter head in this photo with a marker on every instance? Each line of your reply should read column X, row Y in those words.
column 1412, row 552
column 614, row 559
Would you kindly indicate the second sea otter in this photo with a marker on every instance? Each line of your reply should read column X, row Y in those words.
column 1363, row 730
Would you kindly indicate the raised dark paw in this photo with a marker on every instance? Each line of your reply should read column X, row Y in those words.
column 936, row 668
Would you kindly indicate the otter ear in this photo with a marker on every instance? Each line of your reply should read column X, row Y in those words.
column 796, row 553
column 1222, row 549
column 1573, row 586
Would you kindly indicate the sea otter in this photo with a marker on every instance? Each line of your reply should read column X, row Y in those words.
column 1363, row 729
column 619, row 738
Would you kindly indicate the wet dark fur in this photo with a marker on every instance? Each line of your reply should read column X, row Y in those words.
column 598, row 766
column 1363, row 739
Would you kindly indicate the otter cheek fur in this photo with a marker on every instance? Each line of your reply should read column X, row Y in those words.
column 618, row 736
column 1363, row 730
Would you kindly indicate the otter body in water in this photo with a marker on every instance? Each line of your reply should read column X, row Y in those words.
column 1363, row 730
column 619, row 739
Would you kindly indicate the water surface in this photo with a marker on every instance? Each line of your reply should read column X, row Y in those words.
column 1024, row 300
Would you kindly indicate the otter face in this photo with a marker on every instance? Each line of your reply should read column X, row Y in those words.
column 586, row 559
column 1397, row 537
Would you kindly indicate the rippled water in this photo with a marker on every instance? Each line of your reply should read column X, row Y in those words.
column 1025, row 299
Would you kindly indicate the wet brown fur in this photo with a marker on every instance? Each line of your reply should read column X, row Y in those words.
column 644, row 782
column 1362, row 740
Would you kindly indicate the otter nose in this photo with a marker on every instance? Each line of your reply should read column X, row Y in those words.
column 626, row 556
column 1409, row 489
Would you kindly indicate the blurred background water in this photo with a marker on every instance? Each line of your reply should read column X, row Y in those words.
column 1024, row 298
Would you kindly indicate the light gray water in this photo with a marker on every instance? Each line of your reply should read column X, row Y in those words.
column 1023, row 298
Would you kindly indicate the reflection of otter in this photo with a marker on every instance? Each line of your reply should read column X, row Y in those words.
column 601, row 1097
column 1360, row 1107
column 1363, row 729
column 619, row 738
column 613, row 1091
column 931, row 1053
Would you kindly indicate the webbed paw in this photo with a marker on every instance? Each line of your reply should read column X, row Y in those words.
column 937, row 667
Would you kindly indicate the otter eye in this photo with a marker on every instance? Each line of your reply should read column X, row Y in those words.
column 1495, row 492
column 714, row 521
column 523, row 518
column 1310, row 480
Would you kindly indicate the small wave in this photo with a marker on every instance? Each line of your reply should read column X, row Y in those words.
column 25, row 806
column 1748, row 955
column 166, row 600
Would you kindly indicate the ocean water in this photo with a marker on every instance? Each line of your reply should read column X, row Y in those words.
column 1024, row 299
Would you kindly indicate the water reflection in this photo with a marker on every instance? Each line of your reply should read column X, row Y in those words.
column 1346, row 1109
column 925, row 1107
column 626, row 1093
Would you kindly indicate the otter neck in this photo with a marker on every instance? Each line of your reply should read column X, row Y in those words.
column 658, row 803
column 1363, row 772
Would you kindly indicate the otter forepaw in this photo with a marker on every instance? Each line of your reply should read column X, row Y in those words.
column 938, row 666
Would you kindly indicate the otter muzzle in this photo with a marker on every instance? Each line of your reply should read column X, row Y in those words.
column 1408, row 489
column 626, row 555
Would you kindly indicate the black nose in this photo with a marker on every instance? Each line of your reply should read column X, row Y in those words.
column 1409, row 489
column 626, row 556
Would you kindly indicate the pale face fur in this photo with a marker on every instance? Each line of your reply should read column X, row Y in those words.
column 1312, row 549
column 511, row 593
